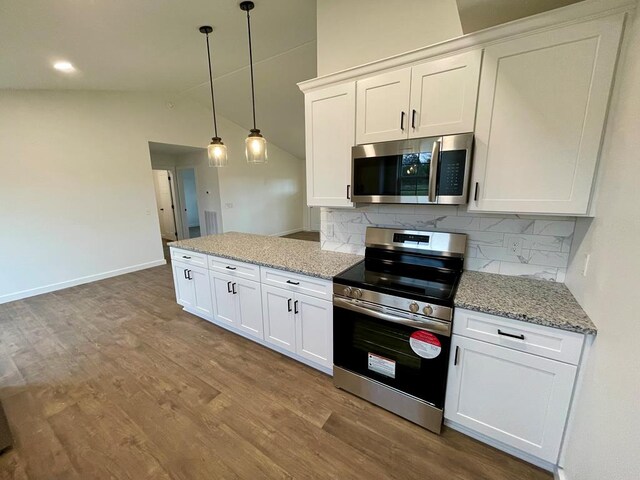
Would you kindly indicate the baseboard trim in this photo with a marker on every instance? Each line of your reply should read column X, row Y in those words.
column 288, row 232
column 501, row 446
column 11, row 297
column 560, row 474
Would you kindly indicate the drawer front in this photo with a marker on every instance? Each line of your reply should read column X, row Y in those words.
column 536, row 339
column 187, row 256
column 315, row 287
column 235, row 268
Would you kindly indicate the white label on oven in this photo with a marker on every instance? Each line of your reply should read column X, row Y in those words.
column 382, row 365
column 425, row 344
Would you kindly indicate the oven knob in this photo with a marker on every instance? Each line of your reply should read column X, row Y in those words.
column 347, row 291
column 357, row 293
column 428, row 310
column 414, row 307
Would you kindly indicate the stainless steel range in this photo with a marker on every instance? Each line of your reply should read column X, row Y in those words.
column 392, row 321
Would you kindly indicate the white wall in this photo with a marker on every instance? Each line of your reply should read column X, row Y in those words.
column 354, row 32
column 76, row 188
column 605, row 439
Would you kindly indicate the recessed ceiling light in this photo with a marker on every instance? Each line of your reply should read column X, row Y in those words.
column 66, row 67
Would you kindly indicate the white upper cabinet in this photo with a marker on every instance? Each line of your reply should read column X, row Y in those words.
column 330, row 133
column 444, row 93
column 382, row 107
column 541, row 110
column 437, row 97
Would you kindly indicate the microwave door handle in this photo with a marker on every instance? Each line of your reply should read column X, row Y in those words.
column 433, row 171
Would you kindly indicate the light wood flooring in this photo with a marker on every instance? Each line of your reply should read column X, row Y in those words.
column 306, row 235
column 112, row 380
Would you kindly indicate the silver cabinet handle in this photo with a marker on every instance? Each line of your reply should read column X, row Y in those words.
column 433, row 171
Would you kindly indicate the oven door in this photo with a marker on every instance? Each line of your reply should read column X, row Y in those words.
column 393, row 348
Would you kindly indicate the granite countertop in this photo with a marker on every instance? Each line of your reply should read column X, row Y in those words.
column 535, row 301
column 299, row 256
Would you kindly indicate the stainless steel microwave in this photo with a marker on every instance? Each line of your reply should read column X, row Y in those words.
column 432, row 170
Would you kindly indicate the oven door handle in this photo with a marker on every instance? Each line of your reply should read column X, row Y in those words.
column 435, row 326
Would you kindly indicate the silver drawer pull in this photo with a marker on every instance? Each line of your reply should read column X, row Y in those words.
column 511, row 335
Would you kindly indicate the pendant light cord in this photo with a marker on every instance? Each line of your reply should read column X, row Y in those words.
column 253, row 93
column 213, row 102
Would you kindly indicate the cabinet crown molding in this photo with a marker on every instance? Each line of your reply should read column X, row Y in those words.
column 574, row 13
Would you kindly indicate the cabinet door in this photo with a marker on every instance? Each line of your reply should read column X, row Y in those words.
column 444, row 94
column 329, row 135
column 202, row 291
column 382, row 106
column 314, row 329
column 224, row 302
column 185, row 291
column 249, row 307
column 279, row 320
column 517, row 398
column 541, row 110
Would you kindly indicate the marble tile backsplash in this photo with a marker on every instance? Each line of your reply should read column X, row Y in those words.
column 520, row 245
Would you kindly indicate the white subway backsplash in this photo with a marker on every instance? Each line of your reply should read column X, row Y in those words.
column 520, row 245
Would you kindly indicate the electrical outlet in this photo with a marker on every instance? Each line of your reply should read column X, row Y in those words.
column 514, row 244
column 228, row 205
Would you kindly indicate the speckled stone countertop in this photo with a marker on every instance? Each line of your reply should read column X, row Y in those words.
column 299, row 256
column 535, row 301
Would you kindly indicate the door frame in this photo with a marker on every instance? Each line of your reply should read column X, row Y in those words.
column 182, row 200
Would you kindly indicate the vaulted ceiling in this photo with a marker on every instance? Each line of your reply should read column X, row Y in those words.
column 155, row 45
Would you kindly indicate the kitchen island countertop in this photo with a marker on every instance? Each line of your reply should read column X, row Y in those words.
column 298, row 256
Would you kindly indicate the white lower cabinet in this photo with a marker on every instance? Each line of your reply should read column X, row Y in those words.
column 289, row 312
column 192, row 288
column 516, row 398
column 237, row 302
column 299, row 323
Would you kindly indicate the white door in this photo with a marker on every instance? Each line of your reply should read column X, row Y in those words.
column 382, row 107
column 164, row 204
column 444, row 94
column 329, row 135
column 249, row 307
column 202, row 291
column 517, row 398
column 314, row 329
column 224, row 302
column 279, row 320
column 185, row 290
column 541, row 111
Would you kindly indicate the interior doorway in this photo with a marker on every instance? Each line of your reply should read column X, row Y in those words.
column 187, row 187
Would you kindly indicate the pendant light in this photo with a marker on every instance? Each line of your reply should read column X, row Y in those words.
column 256, row 144
column 216, row 151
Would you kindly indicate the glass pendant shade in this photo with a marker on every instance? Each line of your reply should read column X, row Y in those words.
column 256, row 147
column 217, row 152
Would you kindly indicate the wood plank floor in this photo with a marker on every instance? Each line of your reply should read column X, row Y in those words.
column 306, row 235
column 112, row 380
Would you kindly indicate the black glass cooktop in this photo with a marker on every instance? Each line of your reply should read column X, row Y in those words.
column 430, row 285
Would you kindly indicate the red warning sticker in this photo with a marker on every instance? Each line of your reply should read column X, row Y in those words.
column 425, row 344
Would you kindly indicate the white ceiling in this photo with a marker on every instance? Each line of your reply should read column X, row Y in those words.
column 170, row 149
column 154, row 45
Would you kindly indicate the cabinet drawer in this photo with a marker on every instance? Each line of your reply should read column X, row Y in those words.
column 316, row 287
column 187, row 256
column 235, row 268
column 536, row 339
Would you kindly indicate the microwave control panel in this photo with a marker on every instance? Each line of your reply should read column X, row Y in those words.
column 451, row 172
